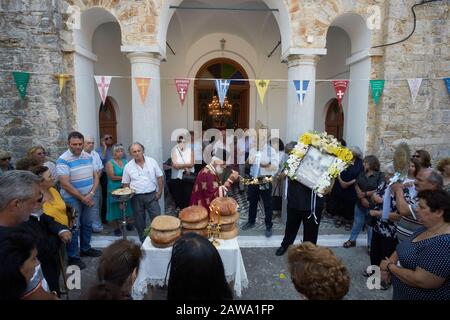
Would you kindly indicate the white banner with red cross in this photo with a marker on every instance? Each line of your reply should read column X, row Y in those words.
column 103, row 83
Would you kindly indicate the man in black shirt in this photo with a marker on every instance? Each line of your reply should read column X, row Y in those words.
column 300, row 202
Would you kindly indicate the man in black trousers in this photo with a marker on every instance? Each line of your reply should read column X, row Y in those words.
column 300, row 203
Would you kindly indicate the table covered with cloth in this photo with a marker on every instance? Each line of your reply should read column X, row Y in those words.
column 153, row 267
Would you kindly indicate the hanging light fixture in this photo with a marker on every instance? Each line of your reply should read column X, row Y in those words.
column 214, row 108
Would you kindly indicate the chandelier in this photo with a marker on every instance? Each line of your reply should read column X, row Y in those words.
column 214, row 108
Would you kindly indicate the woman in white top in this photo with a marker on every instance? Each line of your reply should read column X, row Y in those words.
column 183, row 176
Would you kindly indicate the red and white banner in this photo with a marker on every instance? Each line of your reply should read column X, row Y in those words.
column 340, row 86
column 103, row 83
column 182, row 88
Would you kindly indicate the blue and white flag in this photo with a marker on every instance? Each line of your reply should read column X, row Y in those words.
column 447, row 82
column 222, row 89
column 301, row 87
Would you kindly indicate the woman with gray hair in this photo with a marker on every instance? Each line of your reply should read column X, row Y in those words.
column 114, row 170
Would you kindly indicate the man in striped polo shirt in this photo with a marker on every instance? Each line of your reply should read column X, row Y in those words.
column 426, row 179
column 79, row 182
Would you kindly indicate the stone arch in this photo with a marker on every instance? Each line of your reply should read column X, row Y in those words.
column 282, row 17
column 357, row 69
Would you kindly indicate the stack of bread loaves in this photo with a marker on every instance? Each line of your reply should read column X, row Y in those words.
column 165, row 230
column 228, row 209
column 194, row 219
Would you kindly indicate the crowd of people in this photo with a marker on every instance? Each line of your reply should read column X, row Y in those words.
column 49, row 210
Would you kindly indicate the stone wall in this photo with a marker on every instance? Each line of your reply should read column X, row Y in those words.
column 425, row 123
column 30, row 41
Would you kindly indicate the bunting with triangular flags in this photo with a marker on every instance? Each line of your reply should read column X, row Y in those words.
column 142, row 84
column 377, row 89
column 261, row 86
column 447, row 82
column 62, row 78
column 414, row 86
column 103, row 83
column 222, row 86
column 21, row 79
column 301, row 87
column 340, row 86
column 182, row 86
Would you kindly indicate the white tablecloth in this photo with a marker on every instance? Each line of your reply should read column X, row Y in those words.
column 153, row 267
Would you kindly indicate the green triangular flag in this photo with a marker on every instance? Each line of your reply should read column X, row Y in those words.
column 377, row 89
column 21, row 79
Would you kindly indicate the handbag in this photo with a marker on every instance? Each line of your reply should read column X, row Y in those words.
column 188, row 177
column 276, row 198
column 72, row 215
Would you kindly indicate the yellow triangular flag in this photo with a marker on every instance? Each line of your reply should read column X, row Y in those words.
column 62, row 78
column 142, row 84
column 262, row 86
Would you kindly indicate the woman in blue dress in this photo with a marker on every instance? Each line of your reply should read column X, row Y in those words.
column 114, row 170
column 420, row 266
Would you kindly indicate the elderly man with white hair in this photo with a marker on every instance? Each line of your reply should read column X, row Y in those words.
column 208, row 184
column 89, row 143
column 144, row 175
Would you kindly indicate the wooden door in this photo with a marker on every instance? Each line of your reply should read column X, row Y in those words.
column 334, row 123
column 107, row 120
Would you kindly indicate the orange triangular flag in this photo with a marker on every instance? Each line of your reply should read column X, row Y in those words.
column 142, row 85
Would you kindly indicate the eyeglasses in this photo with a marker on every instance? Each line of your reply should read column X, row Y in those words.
column 416, row 156
column 108, row 138
column 4, row 159
column 41, row 153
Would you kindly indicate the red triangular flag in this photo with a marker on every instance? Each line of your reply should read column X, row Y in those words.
column 182, row 88
column 340, row 86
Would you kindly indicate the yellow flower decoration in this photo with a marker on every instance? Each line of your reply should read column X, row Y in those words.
column 306, row 138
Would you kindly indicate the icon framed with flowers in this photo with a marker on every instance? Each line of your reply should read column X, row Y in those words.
column 314, row 167
column 325, row 159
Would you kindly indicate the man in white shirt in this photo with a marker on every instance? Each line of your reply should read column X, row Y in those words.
column 264, row 163
column 89, row 143
column 144, row 175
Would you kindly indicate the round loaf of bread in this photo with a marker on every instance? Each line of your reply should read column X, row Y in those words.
column 226, row 205
column 164, row 237
column 193, row 214
column 202, row 232
column 227, row 227
column 165, row 245
column 225, row 219
column 202, row 224
column 226, row 235
column 165, row 223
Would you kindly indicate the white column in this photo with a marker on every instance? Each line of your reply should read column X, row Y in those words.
column 300, row 118
column 147, row 116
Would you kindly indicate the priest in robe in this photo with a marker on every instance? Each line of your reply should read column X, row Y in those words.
column 208, row 184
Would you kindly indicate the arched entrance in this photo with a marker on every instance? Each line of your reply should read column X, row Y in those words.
column 107, row 120
column 334, row 123
column 235, row 112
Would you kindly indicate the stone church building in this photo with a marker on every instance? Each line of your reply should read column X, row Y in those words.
column 279, row 40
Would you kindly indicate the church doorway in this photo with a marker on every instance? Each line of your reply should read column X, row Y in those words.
column 334, row 123
column 107, row 120
column 235, row 111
